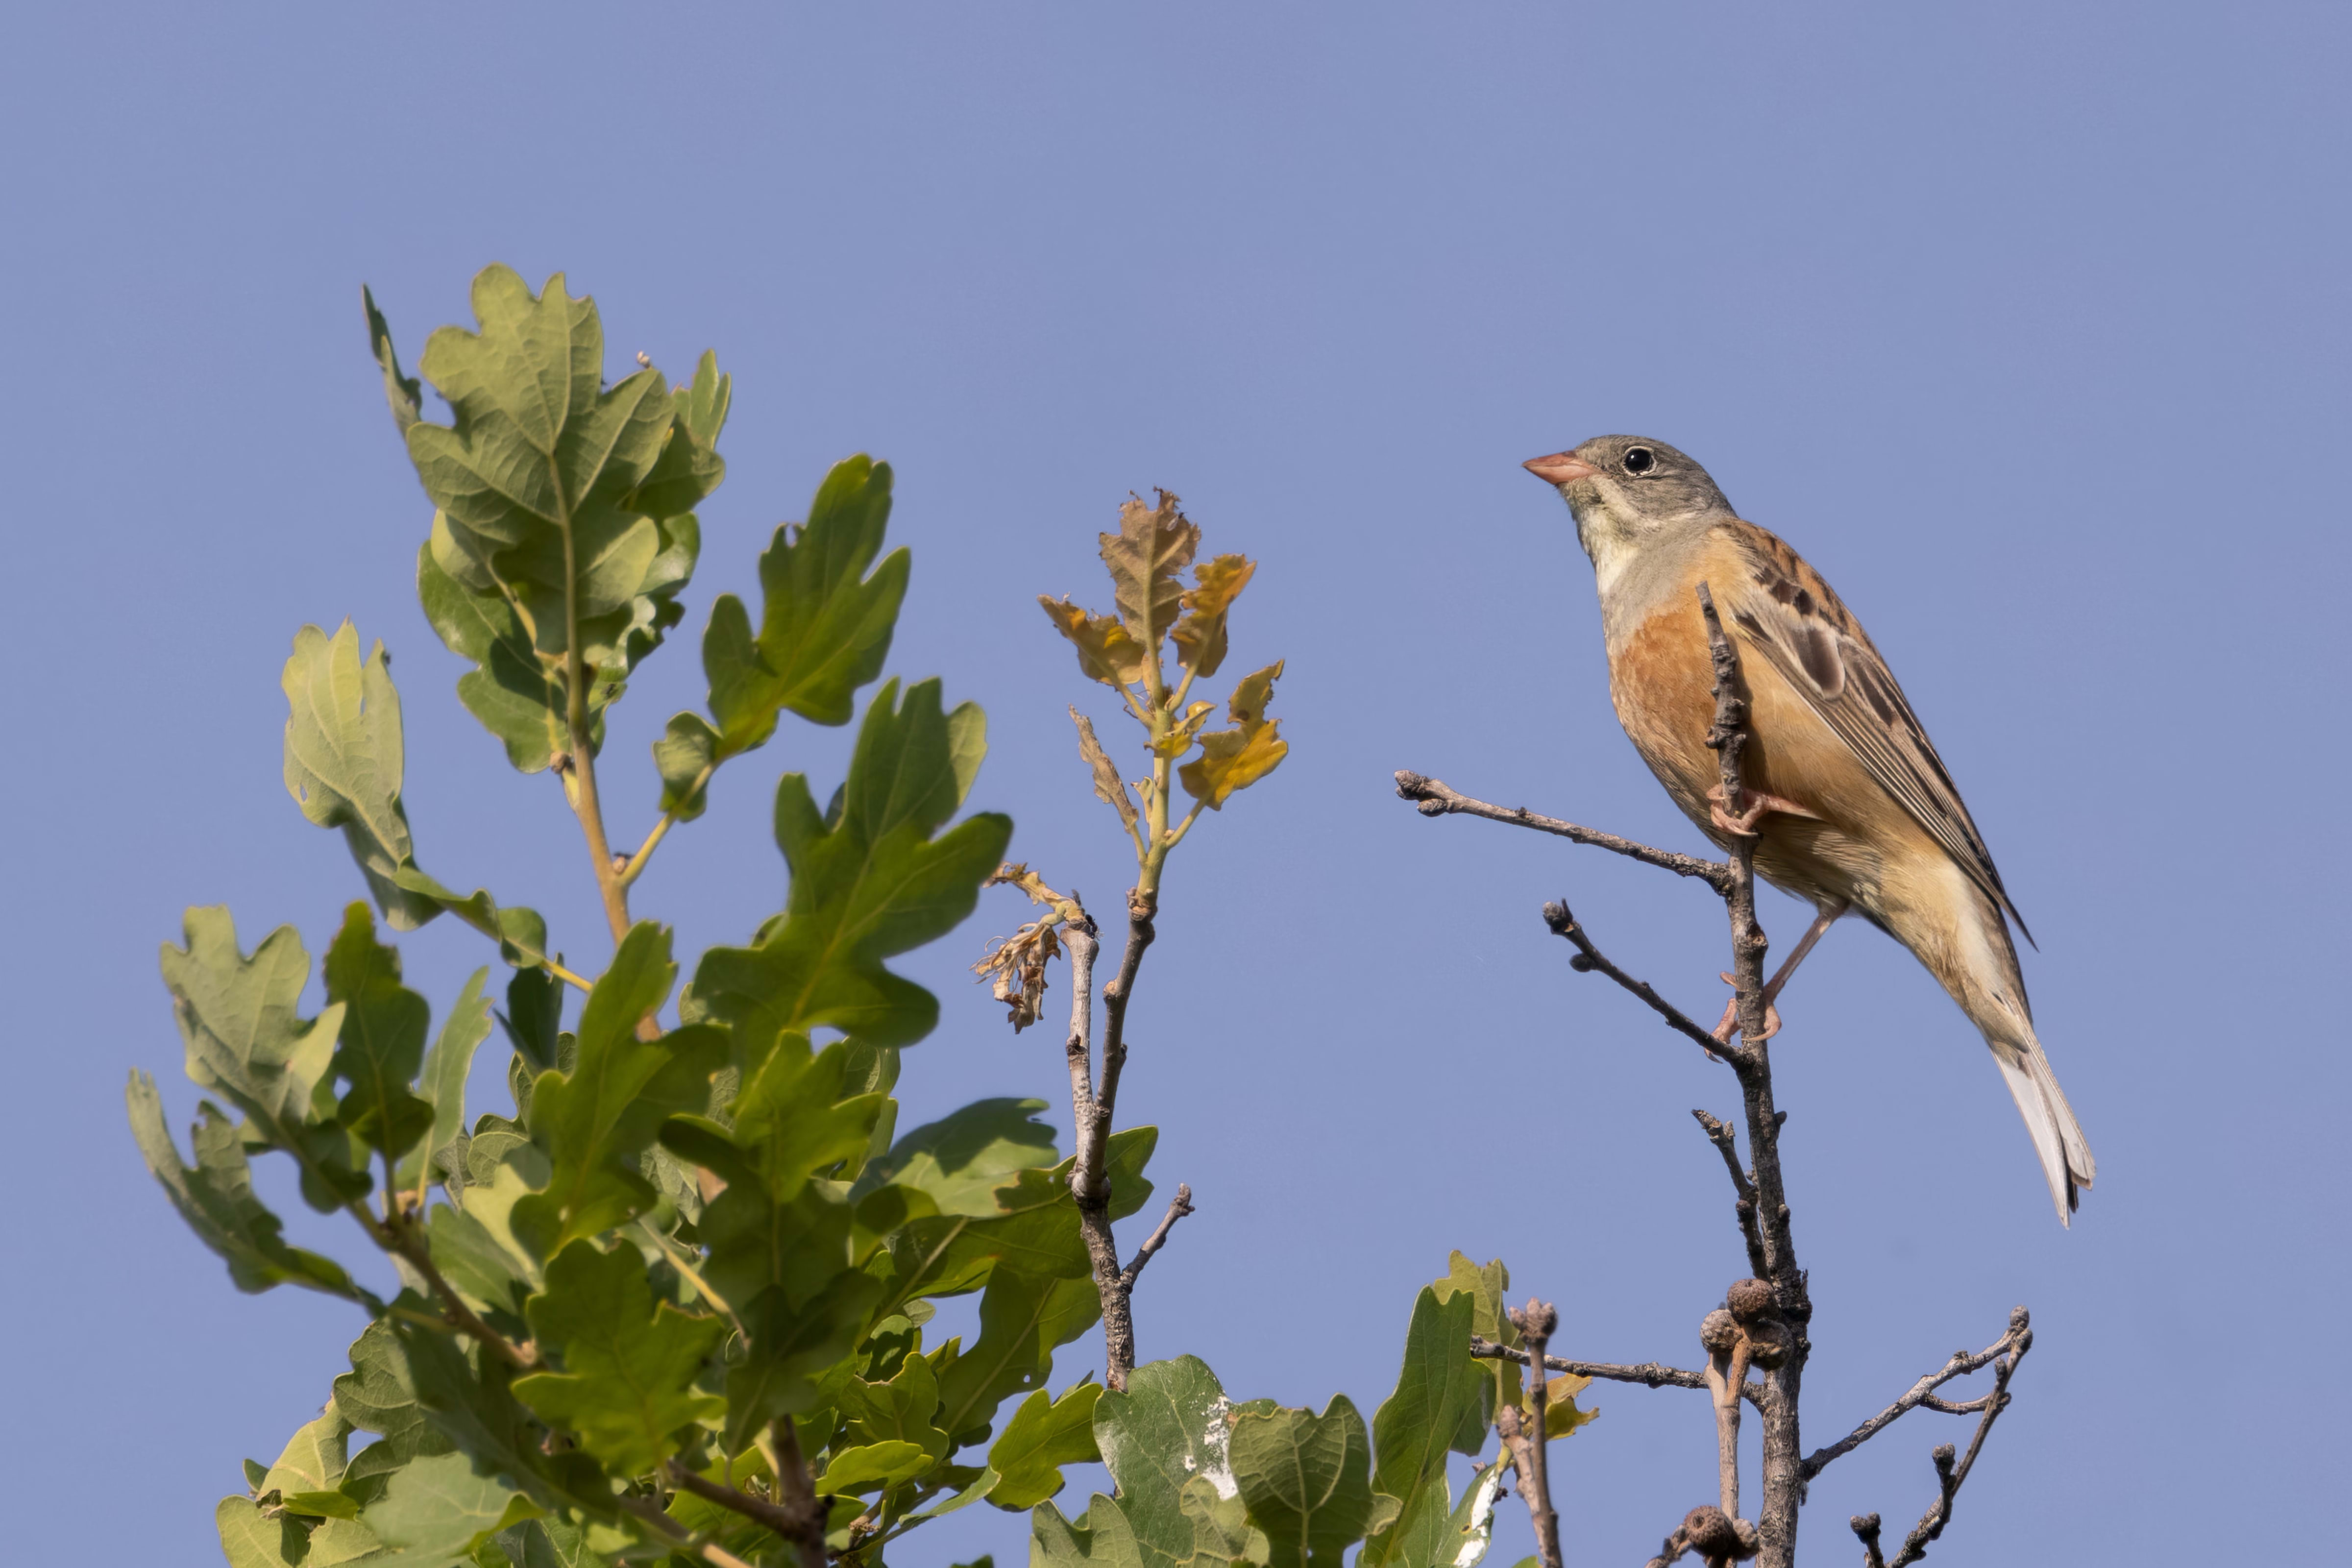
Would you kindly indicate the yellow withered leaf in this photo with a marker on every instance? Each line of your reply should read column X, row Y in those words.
column 1201, row 635
column 1105, row 652
column 1181, row 732
column 1108, row 787
column 1152, row 545
column 1233, row 760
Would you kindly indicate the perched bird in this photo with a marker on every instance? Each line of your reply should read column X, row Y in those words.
column 1851, row 805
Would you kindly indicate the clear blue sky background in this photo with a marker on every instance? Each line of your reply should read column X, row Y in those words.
column 2027, row 324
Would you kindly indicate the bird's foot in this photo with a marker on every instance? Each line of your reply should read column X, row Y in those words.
column 1730, row 1025
column 1758, row 805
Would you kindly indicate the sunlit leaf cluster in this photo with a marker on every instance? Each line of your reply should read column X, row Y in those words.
column 679, row 1280
column 1156, row 617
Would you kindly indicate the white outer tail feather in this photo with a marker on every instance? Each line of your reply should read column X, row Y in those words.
column 2057, row 1137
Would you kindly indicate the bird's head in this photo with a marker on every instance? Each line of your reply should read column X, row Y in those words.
column 1627, row 489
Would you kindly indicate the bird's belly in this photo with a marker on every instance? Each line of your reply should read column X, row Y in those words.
column 1660, row 679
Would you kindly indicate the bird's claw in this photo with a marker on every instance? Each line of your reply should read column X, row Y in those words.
column 1730, row 1025
column 1758, row 805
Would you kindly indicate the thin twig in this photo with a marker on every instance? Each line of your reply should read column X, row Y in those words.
column 1089, row 1181
column 1142, row 905
column 1177, row 1209
column 758, row 1510
column 1951, row 1475
column 1922, row 1394
column 1727, row 1373
column 650, row 1511
column 798, row 1494
column 1782, row 1483
column 397, row 1237
column 1529, row 1440
column 1865, row 1526
column 1727, row 1143
column 1649, row 1374
column 1435, row 798
column 1589, row 958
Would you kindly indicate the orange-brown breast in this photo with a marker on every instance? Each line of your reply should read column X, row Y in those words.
column 1660, row 677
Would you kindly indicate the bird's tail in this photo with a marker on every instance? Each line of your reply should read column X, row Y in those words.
column 2058, row 1138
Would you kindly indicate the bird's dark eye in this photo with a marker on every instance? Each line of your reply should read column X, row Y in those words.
column 1639, row 460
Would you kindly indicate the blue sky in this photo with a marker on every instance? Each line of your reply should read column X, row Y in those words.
column 2026, row 325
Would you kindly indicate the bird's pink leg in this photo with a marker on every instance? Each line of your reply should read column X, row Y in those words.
column 1758, row 804
column 1813, row 934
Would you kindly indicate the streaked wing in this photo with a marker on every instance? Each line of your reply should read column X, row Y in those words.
column 1788, row 614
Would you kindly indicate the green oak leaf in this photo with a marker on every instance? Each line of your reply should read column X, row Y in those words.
column 312, row 1460
column 344, row 765
column 1022, row 1319
column 791, row 1343
column 1034, row 1231
column 404, row 392
column 550, row 1544
column 1044, row 1435
column 377, row 1395
column 592, row 1121
column 215, row 1199
column 869, row 880
column 1306, row 1481
column 792, row 1122
column 1487, row 1287
column 238, row 1019
column 961, row 1160
column 876, row 1466
column 381, row 1042
column 468, row 1397
column 253, row 1536
column 903, row 1409
column 564, row 507
column 344, row 760
column 1437, row 1407
column 630, row 1364
column 1169, row 1426
column 512, row 689
column 825, row 630
column 443, row 1076
column 533, row 1020
column 436, row 1509
column 1166, row 1442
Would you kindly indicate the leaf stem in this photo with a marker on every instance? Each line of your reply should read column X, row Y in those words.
column 636, row 864
column 398, row 1238
column 679, row 1261
column 582, row 763
column 1185, row 827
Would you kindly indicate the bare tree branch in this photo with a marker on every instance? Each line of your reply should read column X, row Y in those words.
column 1177, row 1209
column 1589, row 958
column 783, row 1521
column 1950, row 1474
column 1093, row 1101
column 1765, row 1319
column 1727, row 1143
column 1436, row 799
column 1529, row 1440
column 1791, row 1303
column 1922, row 1394
column 1865, row 1526
column 1649, row 1374
column 1142, row 905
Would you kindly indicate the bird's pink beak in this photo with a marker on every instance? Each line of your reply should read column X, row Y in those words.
column 1559, row 468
